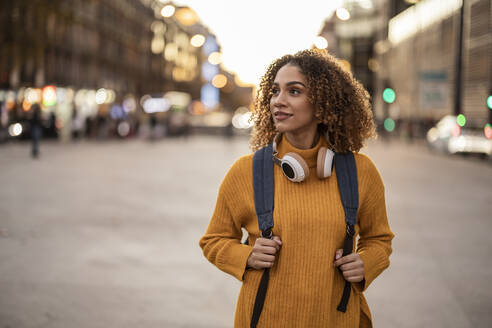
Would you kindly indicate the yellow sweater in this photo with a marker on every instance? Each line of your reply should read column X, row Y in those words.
column 305, row 288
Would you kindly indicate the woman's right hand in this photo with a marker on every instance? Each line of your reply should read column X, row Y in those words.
column 263, row 254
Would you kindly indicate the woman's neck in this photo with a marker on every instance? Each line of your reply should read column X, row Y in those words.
column 303, row 140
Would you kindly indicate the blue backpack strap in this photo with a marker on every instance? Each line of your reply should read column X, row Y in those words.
column 349, row 194
column 263, row 191
column 348, row 185
column 263, row 188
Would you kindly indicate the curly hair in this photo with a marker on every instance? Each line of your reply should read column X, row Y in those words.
column 342, row 104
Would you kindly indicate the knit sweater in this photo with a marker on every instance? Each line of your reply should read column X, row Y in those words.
column 305, row 287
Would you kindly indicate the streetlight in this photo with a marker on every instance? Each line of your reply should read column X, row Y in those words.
column 168, row 11
column 219, row 81
column 343, row 14
column 215, row 58
column 187, row 16
column 197, row 40
column 320, row 42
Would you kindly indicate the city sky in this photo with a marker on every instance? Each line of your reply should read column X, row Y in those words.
column 253, row 33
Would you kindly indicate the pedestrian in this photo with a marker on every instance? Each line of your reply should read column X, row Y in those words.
column 309, row 105
column 36, row 130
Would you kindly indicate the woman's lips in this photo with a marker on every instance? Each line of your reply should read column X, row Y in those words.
column 281, row 116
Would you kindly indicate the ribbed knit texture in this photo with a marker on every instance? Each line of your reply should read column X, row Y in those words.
column 305, row 288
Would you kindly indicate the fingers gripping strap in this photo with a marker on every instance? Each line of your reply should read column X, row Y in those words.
column 263, row 193
column 349, row 194
column 263, row 186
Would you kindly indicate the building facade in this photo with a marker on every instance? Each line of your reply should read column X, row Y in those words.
column 99, row 60
column 421, row 61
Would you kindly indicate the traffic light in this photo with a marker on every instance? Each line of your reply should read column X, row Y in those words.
column 389, row 124
column 461, row 120
column 487, row 131
column 389, row 95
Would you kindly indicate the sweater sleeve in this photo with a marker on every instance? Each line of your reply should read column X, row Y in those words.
column 221, row 243
column 375, row 235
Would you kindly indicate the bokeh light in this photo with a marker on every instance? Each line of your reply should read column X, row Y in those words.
column 110, row 96
column 26, row 105
column 158, row 27
column 343, row 14
column 389, row 124
column 215, row 58
column 49, row 95
column 123, row 129
column 197, row 108
column 129, row 104
column 33, row 95
column 117, row 112
column 156, row 105
column 489, row 102
column 242, row 118
column 320, row 42
column 461, row 120
column 186, row 16
column 15, row 129
column 168, row 11
column 64, row 95
column 219, row 81
column 487, row 131
column 157, row 45
column 373, row 65
column 171, row 51
column 197, row 40
column 389, row 95
column 101, row 96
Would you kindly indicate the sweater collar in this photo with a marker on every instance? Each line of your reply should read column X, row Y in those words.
column 309, row 155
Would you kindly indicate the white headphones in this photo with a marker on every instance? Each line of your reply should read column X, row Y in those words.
column 295, row 167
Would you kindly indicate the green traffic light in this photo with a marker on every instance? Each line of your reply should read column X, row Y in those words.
column 489, row 102
column 389, row 95
column 461, row 120
column 389, row 124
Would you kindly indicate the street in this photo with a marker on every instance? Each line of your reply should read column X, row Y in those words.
column 106, row 235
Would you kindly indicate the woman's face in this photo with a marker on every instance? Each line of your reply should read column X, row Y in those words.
column 290, row 107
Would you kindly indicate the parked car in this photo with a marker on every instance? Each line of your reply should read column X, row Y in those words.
column 449, row 137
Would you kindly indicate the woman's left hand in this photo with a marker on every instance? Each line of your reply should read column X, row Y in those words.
column 351, row 266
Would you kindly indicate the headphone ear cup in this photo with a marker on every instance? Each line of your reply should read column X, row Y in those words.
column 324, row 163
column 298, row 165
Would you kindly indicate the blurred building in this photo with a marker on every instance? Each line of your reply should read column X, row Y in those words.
column 93, row 65
column 82, row 44
column 411, row 49
column 353, row 31
column 432, row 72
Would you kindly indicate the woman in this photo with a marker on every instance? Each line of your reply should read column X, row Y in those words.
column 305, row 102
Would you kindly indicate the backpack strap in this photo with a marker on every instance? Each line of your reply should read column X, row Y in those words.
column 263, row 191
column 349, row 194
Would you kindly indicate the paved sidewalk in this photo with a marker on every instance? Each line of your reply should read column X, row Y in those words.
column 106, row 235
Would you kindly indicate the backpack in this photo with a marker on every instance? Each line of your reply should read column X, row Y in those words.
column 263, row 186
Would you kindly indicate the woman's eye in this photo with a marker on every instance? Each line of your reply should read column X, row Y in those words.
column 274, row 91
column 295, row 91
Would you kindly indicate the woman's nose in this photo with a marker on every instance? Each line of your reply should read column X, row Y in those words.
column 278, row 99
